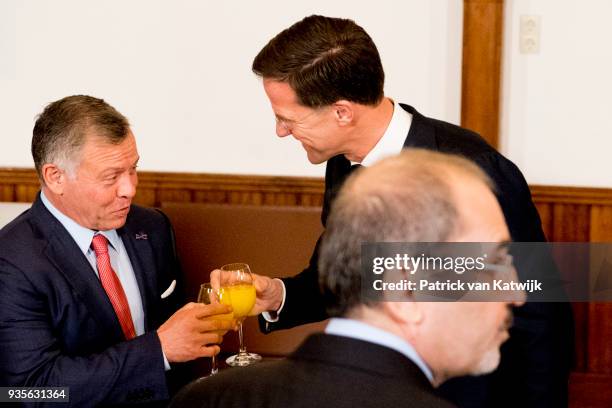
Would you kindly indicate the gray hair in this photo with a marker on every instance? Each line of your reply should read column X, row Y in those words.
column 61, row 130
column 405, row 198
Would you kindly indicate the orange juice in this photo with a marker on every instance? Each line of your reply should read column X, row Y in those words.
column 240, row 297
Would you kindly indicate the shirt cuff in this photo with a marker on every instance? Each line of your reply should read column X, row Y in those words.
column 272, row 316
column 166, row 363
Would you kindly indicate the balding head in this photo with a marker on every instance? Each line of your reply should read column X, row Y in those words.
column 418, row 197
column 411, row 197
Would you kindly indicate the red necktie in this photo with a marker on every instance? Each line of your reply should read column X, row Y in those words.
column 112, row 286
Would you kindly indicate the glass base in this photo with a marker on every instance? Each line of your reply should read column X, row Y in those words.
column 214, row 371
column 243, row 359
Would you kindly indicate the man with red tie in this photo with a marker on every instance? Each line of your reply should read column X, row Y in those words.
column 90, row 296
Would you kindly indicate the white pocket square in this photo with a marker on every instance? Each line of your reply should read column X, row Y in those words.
column 169, row 291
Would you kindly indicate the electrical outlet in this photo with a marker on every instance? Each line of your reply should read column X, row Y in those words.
column 529, row 34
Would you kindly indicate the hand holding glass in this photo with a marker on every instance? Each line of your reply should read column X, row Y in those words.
column 237, row 290
column 208, row 295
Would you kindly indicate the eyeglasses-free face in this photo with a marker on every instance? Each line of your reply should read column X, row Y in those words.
column 316, row 129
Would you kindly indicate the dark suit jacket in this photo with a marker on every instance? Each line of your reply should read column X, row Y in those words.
column 535, row 362
column 325, row 371
column 57, row 326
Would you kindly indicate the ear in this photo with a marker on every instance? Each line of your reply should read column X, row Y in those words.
column 54, row 178
column 404, row 313
column 344, row 112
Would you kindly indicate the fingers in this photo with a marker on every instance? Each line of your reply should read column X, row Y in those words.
column 208, row 338
column 209, row 351
column 201, row 310
column 208, row 346
column 261, row 283
column 197, row 313
column 193, row 330
column 269, row 294
column 189, row 305
column 212, row 325
column 215, row 277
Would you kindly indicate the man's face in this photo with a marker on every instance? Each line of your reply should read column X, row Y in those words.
column 99, row 195
column 316, row 129
column 467, row 335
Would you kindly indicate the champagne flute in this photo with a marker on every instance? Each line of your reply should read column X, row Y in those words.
column 237, row 290
column 209, row 295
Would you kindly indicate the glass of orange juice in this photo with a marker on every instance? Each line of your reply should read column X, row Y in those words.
column 237, row 290
column 209, row 295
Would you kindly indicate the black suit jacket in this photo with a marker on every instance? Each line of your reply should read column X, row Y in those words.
column 536, row 360
column 325, row 371
column 57, row 325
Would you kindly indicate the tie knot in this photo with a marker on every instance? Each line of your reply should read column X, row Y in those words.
column 99, row 244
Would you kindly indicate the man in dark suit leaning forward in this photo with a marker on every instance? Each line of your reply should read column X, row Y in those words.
column 324, row 79
column 377, row 352
column 90, row 284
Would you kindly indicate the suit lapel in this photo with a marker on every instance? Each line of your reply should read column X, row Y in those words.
column 141, row 255
column 68, row 259
column 338, row 168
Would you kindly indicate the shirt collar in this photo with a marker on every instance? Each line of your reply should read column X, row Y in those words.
column 363, row 331
column 81, row 235
column 392, row 141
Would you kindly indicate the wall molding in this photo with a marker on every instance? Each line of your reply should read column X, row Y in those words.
column 21, row 185
column 571, row 195
column 483, row 22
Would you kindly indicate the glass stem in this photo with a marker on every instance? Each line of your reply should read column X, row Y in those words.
column 213, row 366
column 242, row 349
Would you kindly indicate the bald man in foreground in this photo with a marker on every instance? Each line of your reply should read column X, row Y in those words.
column 380, row 352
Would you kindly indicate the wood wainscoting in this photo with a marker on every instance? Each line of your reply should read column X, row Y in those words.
column 568, row 214
column 571, row 214
column 154, row 188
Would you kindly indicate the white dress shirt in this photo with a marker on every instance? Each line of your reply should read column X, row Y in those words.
column 392, row 141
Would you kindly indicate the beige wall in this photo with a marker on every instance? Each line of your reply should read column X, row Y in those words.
column 180, row 71
column 557, row 104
